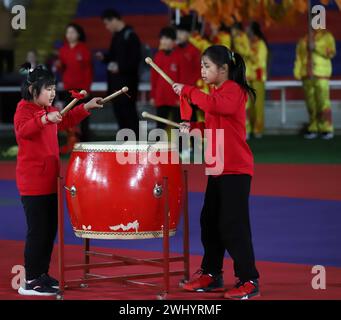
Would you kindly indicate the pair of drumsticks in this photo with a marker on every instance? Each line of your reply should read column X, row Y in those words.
column 145, row 114
column 102, row 101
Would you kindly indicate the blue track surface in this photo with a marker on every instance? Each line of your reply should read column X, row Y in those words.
column 284, row 229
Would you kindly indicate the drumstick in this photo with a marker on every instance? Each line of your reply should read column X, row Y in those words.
column 114, row 95
column 159, row 70
column 159, row 119
column 72, row 103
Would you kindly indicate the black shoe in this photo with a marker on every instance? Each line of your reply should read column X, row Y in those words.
column 50, row 281
column 37, row 287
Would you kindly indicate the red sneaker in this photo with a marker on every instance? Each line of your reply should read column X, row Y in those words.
column 205, row 283
column 243, row 291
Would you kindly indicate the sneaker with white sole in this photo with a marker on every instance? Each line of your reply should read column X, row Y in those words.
column 310, row 135
column 327, row 135
column 37, row 287
column 50, row 281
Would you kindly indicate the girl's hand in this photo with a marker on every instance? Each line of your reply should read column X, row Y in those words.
column 185, row 127
column 177, row 87
column 93, row 103
column 54, row 117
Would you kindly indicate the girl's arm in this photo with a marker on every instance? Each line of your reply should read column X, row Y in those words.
column 79, row 113
column 27, row 126
column 222, row 103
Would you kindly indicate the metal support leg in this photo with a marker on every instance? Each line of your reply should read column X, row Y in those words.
column 186, row 229
column 61, row 258
column 166, row 236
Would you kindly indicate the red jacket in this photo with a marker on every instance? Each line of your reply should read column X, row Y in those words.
column 38, row 155
column 161, row 91
column 76, row 66
column 192, row 59
column 224, row 109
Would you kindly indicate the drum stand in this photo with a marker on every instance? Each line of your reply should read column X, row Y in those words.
column 119, row 261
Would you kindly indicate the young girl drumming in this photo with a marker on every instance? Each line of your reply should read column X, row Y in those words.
column 224, row 218
column 36, row 123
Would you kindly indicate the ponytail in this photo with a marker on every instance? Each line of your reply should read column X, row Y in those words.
column 237, row 74
column 221, row 55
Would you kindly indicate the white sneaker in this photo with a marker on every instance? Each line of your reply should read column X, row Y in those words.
column 37, row 287
column 310, row 135
column 327, row 135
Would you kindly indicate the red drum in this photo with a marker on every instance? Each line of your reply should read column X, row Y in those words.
column 115, row 189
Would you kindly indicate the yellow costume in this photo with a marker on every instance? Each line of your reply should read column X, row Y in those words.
column 315, row 77
column 223, row 38
column 257, row 78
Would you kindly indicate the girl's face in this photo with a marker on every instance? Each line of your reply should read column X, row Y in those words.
column 211, row 73
column 166, row 43
column 46, row 96
column 71, row 35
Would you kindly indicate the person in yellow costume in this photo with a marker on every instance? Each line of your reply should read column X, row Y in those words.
column 201, row 43
column 257, row 77
column 221, row 35
column 241, row 44
column 315, row 73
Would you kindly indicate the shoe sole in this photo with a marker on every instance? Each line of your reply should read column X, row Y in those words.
column 25, row 292
column 205, row 290
column 247, row 297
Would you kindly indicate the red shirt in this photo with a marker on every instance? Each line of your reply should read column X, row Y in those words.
column 192, row 61
column 76, row 66
column 224, row 109
column 38, row 155
column 161, row 90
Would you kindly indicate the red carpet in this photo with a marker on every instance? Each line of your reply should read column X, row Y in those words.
column 310, row 181
column 280, row 281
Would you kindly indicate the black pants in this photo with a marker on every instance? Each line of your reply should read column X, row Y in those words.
column 225, row 225
column 6, row 61
column 42, row 219
column 124, row 107
column 168, row 112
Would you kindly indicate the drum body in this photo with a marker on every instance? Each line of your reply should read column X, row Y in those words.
column 116, row 190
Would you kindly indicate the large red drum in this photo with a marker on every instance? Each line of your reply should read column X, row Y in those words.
column 115, row 190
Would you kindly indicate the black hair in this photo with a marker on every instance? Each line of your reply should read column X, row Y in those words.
column 38, row 78
column 168, row 32
column 221, row 55
column 110, row 14
column 79, row 30
column 183, row 26
column 237, row 25
column 257, row 31
column 225, row 28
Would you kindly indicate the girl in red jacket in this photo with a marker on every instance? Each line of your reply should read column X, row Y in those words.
column 169, row 59
column 75, row 65
column 36, row 123
column 225, row 224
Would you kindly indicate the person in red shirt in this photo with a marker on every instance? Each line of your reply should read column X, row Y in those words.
column 169, row 59
column 191, row 55
column 225, row 224
column 36, row 123
column 75, row 65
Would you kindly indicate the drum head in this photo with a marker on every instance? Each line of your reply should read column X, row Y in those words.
column 124, row 146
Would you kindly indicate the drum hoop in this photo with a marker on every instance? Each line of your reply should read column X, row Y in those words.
column 121, row 235
column 126, row 147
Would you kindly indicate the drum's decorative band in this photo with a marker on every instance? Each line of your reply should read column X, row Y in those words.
column 123, row 147
column 121, row 235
